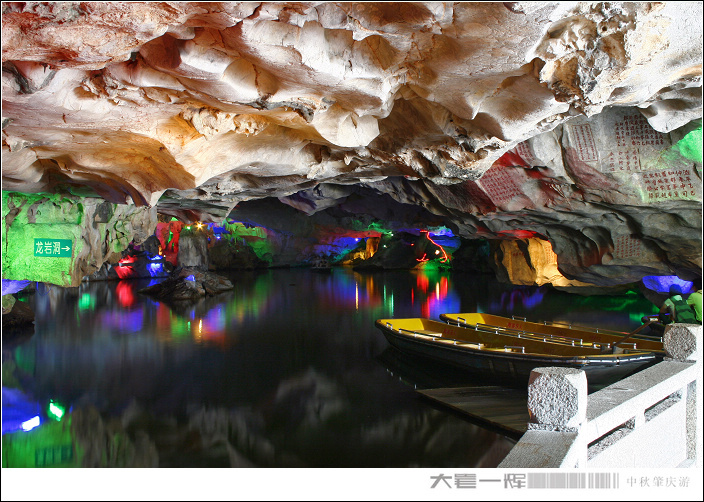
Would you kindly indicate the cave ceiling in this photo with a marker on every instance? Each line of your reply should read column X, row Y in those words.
column 556, row 118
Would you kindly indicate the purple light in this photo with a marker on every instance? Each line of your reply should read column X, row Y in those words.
column 10, row 286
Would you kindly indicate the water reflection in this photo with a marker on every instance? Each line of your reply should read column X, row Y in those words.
column 290, row 362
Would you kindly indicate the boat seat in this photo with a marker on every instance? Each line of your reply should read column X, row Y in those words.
column 428, row 332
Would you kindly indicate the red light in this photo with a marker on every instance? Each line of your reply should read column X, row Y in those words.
column 124, row 268
column 444, row 254
column 125, row 295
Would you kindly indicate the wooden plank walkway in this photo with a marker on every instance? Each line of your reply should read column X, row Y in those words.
column 501, row 407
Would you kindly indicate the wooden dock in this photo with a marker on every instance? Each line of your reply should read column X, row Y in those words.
column 500, row 407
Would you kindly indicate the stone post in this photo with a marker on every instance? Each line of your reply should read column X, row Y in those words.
column 557, row 401
column 683, row 342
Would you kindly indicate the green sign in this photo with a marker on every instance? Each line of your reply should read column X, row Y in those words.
column 53, row 248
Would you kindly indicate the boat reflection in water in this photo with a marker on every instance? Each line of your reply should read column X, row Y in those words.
column 285, row 370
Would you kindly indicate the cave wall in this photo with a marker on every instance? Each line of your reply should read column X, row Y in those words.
column 577, row 123
column 94, row 231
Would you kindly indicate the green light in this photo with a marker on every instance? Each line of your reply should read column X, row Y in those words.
column 56, row 411
column 40, row 216
column 691, row 145
column 85, row 302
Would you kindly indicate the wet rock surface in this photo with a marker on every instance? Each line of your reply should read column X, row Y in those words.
column 187, row 285
column 18, row 322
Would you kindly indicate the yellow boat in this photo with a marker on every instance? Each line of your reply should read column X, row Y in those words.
column 509, row 354
column 492, row 323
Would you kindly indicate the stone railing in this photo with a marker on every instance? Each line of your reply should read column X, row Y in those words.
column 646, row 420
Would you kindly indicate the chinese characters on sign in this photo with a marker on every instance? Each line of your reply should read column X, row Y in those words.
column 583, row 142
column 53, row 248
column 499, row 183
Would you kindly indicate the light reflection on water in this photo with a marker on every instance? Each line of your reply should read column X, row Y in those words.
column 290, row 358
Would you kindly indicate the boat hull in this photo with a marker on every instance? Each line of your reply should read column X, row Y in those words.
column 510, row 368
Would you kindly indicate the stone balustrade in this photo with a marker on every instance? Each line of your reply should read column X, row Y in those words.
column 646, row 420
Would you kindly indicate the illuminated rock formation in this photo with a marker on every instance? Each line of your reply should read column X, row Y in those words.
column 575, row 123
column 61, row 239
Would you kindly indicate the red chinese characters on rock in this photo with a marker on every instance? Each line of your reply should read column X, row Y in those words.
column 627, row 247
column 669, row 184
column 623, row 160
column 524, row 150
column 634, row 131
column 499, row 184
column 583, row 142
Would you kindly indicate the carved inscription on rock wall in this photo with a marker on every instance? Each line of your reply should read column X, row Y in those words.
column 524, row 151
column 621, row 143
column 626, row 246
column 669, row 184
column 582, row 140
column 500, row 184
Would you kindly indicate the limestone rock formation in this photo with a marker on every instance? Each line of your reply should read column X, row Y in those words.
column 577, row 123
column 17, row 319
column 186, row 285
column 62, row 238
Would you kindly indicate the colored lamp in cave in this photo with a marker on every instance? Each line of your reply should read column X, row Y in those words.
column 662, row 283
column 56, row 411
column 156, row 266
column 31, row 423
column 85, row 302
column 124, row 269
column 445, row 257
column 690, row 146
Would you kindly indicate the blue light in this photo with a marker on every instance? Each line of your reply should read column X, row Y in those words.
column 662, row 283
column 441, row 231
column 191, row 278
column 10, row 286
column 155, row 269
column 18, row 410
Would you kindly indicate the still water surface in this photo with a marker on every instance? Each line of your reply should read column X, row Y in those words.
column 289, row 361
